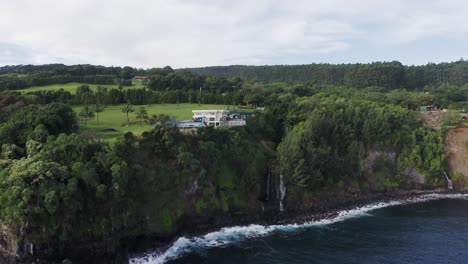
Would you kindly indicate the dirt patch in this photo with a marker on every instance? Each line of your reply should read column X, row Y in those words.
column 434, row 119
column 457, row 147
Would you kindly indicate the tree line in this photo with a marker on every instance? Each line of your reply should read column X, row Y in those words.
column 158, row 79
column 136, row 96
column 390, row 75
column 444, row 82
column 256, row 94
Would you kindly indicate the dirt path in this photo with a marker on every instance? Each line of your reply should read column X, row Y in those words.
column 457, row 146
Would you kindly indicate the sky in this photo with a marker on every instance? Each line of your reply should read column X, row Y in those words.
column 194, row 33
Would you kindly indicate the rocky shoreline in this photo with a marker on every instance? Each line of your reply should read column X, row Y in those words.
column 296, row 216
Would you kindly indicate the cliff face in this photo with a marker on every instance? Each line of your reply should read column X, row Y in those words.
column 190, row 207
column 7, row 243
column 298, row 206
column 457, row 150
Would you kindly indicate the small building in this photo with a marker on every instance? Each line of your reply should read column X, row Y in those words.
column 428, row 108
column 140, row 77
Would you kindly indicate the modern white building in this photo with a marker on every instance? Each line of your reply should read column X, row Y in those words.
column 210, row 117
column 217, row 118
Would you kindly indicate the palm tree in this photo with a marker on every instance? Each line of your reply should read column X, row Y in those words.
column 86, row 112
column 141, row 114
column 98, row 108
column 127, row 110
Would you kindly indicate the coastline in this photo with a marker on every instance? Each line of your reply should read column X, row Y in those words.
column 228, row 230
column 288, row 222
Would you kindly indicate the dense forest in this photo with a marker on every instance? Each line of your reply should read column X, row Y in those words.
column 390, row 75
column 64, row 191
column 386, row 74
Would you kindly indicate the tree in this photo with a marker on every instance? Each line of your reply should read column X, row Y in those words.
column 86, row 112
column 128, row 109
column 56, row 118
column 126, row 72
column 82, row 89
column 141, row 114
column 40, row 197
column 161, row 118
column 98, row 108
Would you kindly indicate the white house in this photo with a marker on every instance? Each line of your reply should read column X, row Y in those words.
column 219, row 118
column 211, row 117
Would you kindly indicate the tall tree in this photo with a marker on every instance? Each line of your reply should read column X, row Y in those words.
column 86, row 112
column 98, row 108
column 141, row 114
column 127, row 110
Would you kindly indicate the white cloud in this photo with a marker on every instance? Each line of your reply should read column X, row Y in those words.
column 185, row 33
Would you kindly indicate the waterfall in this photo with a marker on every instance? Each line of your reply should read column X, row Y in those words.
column 268, row 185
column 282, row 192
column 449, row 182
column 29, row 248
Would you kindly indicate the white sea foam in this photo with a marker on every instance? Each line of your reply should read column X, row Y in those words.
column 231, row 235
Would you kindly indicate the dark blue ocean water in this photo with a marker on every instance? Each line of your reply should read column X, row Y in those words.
column 428, row 232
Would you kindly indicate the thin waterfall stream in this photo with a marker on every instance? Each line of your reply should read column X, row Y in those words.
column 449, row 182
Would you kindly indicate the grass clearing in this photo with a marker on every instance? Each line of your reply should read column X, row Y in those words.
column 113, row 118
column 71, row 87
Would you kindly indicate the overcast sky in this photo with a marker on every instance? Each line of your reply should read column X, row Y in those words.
column 188, row 33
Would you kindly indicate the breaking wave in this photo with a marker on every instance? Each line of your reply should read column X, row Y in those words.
column 232, row 235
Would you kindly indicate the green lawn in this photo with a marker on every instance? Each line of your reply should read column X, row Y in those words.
column 71, row 87
column 113, row 118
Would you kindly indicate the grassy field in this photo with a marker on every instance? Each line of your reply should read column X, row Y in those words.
column 71, row 87
column 113, row 118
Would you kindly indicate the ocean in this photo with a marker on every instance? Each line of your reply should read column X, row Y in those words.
column 431, row 229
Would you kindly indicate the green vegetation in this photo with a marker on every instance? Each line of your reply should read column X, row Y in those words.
column 115, row 122
column 62, row 186
column 71, row 87
column 141, row 114
column 86, row 113
column 127, row 109
column 385, row 74
column 335, row 136
column 460, row 180
column 452, row 119
column 24, row 76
